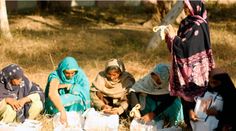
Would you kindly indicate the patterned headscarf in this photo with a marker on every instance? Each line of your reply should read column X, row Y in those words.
column 79, row 80
column 9, row 73
column 197, row 8
column 7, row 90
column 192, row 56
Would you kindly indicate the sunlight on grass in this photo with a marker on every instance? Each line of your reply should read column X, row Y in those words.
column 93, row 37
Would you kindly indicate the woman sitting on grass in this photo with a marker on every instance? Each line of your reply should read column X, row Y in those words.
column 150, row 98
column 221, row 83
column 19, row 97
column 109, row 89
column 67, row 89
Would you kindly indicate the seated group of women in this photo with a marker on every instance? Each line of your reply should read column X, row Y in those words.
column 114, row 91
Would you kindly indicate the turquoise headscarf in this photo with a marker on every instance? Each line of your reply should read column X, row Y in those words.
column 80, row 83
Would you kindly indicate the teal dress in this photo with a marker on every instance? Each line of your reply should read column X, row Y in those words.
column 77, row 98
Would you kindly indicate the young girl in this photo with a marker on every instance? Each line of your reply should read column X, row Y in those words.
column 19, row 97
column 151, row 94
column 110, row 88
column 220, row 82
column 67, row 89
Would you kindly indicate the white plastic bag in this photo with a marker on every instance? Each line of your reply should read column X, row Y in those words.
column 137, row 125
column 207, row 123
column 74, row 119
column 28, row 125
column 97, row 121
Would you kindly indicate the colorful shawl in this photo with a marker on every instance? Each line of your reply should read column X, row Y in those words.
column 148, row 85
column 80, row 83
column 192, row 57
column 7, row 90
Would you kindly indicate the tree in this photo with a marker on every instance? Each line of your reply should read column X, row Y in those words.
column 4, row 25
column 168, row 19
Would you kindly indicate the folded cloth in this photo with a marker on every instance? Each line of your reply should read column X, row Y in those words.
column 135, row 111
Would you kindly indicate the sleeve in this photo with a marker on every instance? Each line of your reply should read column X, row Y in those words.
column 96, row 101
column 123, row 105
column 133, row 99
column 129, row 81
column 167, row 100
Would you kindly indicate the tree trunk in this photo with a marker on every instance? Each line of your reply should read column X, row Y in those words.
column 168, row 19
column 4, row 25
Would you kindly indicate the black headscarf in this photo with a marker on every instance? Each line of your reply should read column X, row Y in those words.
column 192, row 57
column 228, row 92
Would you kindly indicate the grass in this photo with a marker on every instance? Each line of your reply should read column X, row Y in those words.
column 95, row 35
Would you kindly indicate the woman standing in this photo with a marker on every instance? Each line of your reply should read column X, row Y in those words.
column 192, row 57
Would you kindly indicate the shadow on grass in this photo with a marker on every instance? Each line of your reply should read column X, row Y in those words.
column 224, row 55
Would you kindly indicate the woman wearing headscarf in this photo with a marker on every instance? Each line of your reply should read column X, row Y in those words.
column 19, row 97
column 192, row 57
column 67, row 90
column 221, row 83
column 110, row 88
column 151, row 97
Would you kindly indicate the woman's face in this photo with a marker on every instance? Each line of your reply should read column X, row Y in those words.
column 113, row 75
column 214, row 83
column 156, row 78
column 69, row 73
column 16, row 82
column 186, row 10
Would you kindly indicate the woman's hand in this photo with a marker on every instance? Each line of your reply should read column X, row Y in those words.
column 170, row 31
column 63, row 118
column 106, row 107
column 148, row 117
column 13, row 103
column 193, row 116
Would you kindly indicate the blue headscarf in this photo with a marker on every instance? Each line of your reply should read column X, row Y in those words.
column 79, row 81
column 163, row 71
column 149, row 86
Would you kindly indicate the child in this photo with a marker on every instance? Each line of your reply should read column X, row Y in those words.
column 110, row 88
column 151, row 94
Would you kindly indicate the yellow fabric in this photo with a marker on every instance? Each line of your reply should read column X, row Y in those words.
column 35, row 109
column 7, row 114
column 34, row 97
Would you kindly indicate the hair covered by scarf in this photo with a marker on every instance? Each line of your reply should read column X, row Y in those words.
column 26, row 87
column 149, row 86
column 79, row 81
column 110, row 88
